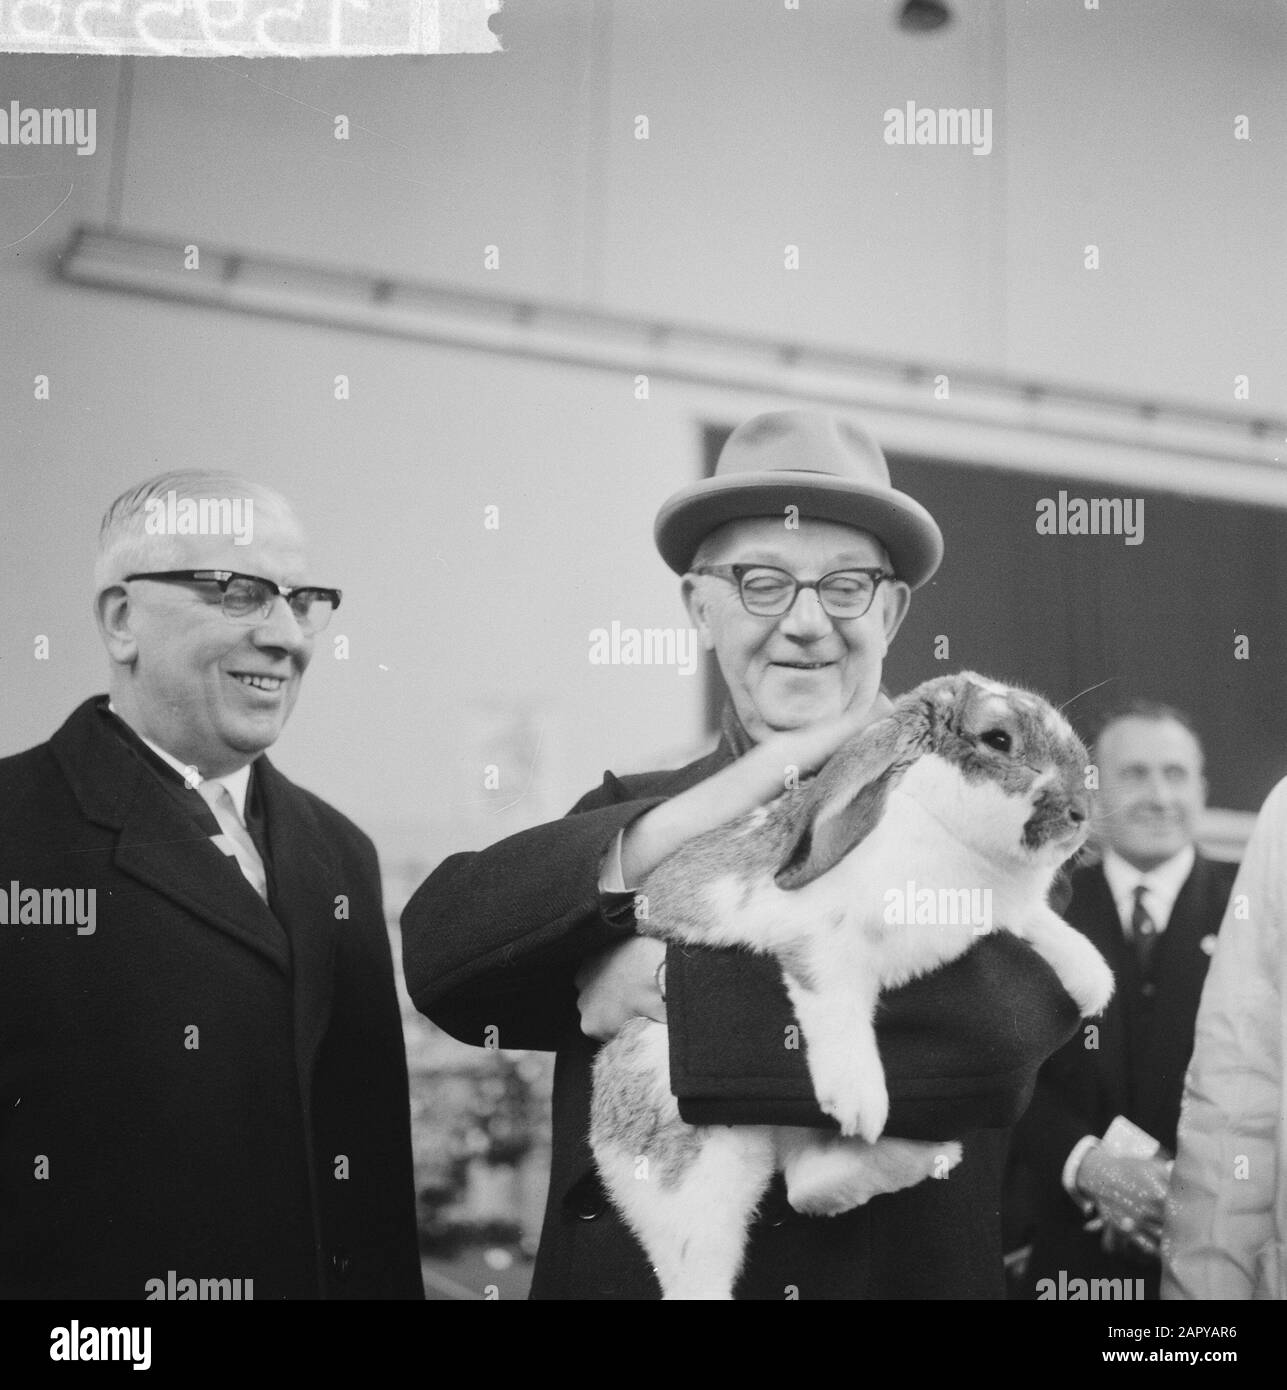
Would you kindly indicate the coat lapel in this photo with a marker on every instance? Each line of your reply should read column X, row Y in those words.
column 1180, row 969
column 677, row 780
column 306, row 886
column 158, row 845
column 1190, row 920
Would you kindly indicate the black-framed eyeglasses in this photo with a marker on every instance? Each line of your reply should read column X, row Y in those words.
column 768, row 592
column 249, row 598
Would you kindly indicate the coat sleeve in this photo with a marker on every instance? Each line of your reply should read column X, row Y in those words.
column 1054, row 1123
column 492, row 940
column 1220, row 1238
column 960, row 1046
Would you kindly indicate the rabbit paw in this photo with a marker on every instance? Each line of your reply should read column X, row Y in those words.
column 858, row 1103
column 837, row 1176
column 1085, row 975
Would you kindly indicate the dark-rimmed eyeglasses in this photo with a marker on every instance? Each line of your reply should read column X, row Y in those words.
column 768, row 592
column 249, row 598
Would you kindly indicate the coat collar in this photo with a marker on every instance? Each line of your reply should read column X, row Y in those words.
column 1190, row 918
column 680, row 779
column 1094, row 907
column 115, row 788
column 1094, row 911
column 308, row 890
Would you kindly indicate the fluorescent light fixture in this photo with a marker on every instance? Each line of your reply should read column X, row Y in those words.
column 989, row 419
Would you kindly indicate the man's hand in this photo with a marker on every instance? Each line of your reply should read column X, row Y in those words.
column 756, row 777
column 619, row 984
column 1129, row 1196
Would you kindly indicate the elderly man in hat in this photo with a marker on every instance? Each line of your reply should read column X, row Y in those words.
column 798, row 560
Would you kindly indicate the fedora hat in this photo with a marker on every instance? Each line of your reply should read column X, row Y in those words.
column 828, row 468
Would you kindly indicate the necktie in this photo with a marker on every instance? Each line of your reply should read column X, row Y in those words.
column 1143, row 931
column 235, row 839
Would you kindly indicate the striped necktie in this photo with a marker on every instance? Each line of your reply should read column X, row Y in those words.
column 235, row 839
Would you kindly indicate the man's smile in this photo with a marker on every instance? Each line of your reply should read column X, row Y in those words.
column 253, row 681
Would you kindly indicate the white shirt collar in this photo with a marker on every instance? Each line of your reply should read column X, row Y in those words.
column 238, row 783
column 1162, row 884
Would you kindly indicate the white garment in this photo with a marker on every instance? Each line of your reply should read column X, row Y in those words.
column 612, row 877
column 1225, row 1235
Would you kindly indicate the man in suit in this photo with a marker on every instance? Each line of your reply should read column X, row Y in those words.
column 1152, row 907
column 798, row 559
column 203, row 1087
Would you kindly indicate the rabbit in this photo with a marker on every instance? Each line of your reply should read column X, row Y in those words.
column 965, row 784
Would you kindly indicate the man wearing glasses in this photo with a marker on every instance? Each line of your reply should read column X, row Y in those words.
column 798, row 559
column 202, row 1076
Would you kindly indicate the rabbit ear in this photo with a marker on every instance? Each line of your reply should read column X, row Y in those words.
column 848, row 797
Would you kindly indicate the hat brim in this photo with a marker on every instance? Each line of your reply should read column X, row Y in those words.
column 907, row 531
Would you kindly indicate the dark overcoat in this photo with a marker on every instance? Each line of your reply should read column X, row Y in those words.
column 202, row 1084
column 493, row 940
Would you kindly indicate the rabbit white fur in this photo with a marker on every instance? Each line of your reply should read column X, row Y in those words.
column 965, row 785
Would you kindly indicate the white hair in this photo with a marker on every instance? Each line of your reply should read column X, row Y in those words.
column 125, row 545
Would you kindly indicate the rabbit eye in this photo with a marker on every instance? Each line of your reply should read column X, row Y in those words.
column 996, row 738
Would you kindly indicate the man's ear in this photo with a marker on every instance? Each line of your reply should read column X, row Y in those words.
column 112, row 612
column 696, row 606
column 897, row 597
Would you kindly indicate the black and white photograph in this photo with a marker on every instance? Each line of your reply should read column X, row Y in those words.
column 644, row 657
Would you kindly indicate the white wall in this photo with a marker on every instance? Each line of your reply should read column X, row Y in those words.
column 1113, row 127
